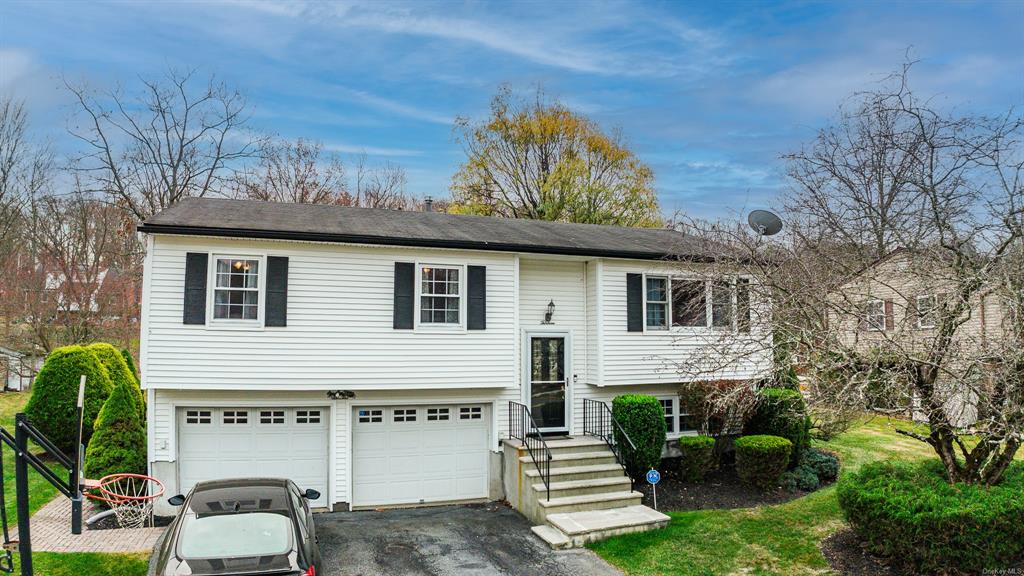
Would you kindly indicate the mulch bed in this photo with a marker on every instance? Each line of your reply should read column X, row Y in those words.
column 720, row 490
column 846, row 554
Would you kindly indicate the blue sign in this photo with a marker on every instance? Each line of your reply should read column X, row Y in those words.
column 653, row 476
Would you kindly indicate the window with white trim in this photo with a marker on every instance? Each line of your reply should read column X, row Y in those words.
column 367, row 416
column 307, row 416
column 926, row 308
column 272, row 417
column 721, row 304
column 874, row 315
column 656, row 296
column 236, row 417
column 441, row 295
column 405, row 415
column 198, row 417
column 676, row 419
column 236, row 288
column 437, row 414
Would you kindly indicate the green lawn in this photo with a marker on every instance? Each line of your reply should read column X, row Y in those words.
column 780, row 539
column 41, row 492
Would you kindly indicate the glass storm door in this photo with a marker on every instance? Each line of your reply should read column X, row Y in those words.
column 548, row 383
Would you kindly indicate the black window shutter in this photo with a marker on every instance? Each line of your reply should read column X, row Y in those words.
column 476, row 311
column 277, row 291
column 195, row 288
column 635, row 302
column 405, row 293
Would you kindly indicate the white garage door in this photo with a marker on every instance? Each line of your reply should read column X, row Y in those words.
column 419, row 454
column 216, row 443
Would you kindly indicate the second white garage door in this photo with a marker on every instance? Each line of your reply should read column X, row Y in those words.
column 419, row 454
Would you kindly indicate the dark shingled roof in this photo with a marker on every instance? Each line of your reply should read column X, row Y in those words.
column 324, row 223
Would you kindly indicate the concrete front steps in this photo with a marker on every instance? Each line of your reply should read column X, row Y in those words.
column 590, row 496
column 574, row 529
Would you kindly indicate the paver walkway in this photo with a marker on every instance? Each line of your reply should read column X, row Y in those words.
column 51, row 532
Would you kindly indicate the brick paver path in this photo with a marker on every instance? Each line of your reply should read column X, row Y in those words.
column 51, row 532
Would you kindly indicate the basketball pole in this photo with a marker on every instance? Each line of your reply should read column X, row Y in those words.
column 76, row 466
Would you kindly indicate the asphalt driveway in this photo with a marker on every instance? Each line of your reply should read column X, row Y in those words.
column 474, row 540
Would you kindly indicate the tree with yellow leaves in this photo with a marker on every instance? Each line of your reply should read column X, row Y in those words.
column 542, row 161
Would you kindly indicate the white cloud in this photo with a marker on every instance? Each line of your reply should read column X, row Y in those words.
column 15, row 66
column 346, row 148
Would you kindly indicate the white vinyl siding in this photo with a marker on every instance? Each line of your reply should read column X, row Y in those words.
column 339, row 333
column 544, row 281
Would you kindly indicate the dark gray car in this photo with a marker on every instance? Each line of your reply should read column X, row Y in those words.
column 241, row 527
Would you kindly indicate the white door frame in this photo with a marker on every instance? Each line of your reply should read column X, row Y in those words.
column 527, row 349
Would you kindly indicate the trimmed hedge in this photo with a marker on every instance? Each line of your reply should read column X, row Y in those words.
column 761, row 459
column 698, row 457
column 53, row 405
column 119, row 373
column 643, row 419
column 119, row 443
column 908, row 511
column 824, row 464
column 782, row 412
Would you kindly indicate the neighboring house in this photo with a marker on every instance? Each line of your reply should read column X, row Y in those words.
column 893, row 302
column 373, row 354
column 18, row 370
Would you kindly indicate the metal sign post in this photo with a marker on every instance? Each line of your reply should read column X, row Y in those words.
column 653, row 477
column 76, row 466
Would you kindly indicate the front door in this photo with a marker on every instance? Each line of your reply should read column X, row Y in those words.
column 548, row 383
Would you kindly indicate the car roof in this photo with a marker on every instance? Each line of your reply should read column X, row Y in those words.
column 240, row 495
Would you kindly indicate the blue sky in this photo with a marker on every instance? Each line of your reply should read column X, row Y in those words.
column 709, row 94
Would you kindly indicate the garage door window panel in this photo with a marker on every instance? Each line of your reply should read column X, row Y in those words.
column 272, row 417
column 235, row 417
column 437, row 414
column 307, row 416
column 198, row 416
column 371, row 416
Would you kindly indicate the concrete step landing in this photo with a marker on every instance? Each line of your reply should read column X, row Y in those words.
column 572, row 529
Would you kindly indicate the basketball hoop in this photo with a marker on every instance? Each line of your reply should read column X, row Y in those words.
column 130, row 496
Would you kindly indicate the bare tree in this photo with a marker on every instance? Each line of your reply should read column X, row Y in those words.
column 82, row 280
column 26, row 170
column 294, row 171
column 380, row 186
column 177, row 138
column 934, row 327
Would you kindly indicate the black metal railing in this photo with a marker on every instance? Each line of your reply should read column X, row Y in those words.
column 598, row 421
column 522, row 427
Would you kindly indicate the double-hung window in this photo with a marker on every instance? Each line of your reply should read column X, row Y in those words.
column 926, row 311
column 676, row 420
column 657, row 303
column 440, row 295
column 236, row 288
column 874, row 315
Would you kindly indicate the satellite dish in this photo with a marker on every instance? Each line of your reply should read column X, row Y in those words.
column 764, row 222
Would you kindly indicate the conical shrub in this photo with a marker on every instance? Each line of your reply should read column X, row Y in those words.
column 53, row 405
column 120, row 373
column 119, row 443
column 131, row 363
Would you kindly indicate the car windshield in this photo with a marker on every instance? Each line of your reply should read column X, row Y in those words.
column 235, row 535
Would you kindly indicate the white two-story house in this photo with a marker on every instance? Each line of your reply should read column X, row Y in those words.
column 373, row 354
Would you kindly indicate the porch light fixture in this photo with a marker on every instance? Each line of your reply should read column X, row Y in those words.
column 340, row 394
column 549, row 313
